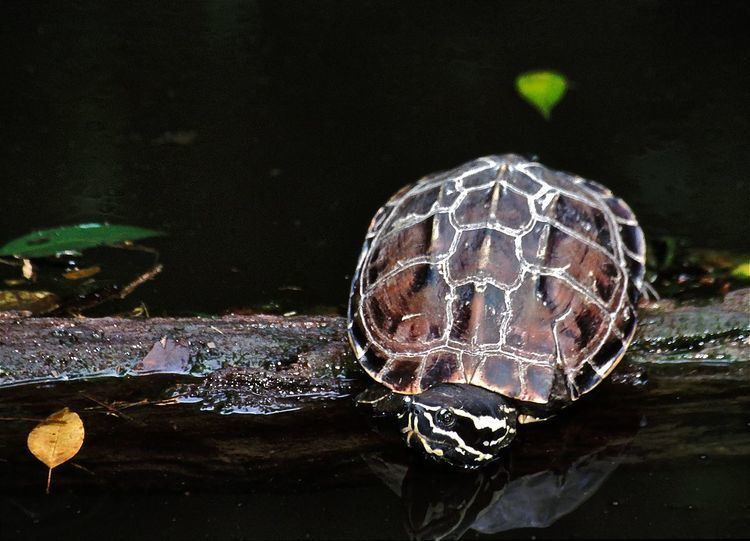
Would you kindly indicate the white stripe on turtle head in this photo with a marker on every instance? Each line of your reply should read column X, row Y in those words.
column 413, row 430
column 461, row 446
column 483, row 421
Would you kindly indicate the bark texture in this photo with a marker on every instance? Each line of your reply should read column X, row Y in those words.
column 53, row 349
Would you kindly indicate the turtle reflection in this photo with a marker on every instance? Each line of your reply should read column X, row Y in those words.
column 524, row 490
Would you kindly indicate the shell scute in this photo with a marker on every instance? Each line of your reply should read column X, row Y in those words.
column 479, row 172
column 500, row 372
column 402, row 373
column 477, row 315
column 523, row 181
column 494, row 205
column 585, row 378
column 429, row 240
column 529, row 330
column 610, row 350
column 538, row 383
column 372, row 362
column 441, row 367
column 484, row 254
column 407, row 310
column 586, row 266
column 581, row 219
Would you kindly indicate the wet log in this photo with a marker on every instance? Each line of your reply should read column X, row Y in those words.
column 54, row 349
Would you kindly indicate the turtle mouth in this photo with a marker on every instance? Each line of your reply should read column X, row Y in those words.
column 411, row 432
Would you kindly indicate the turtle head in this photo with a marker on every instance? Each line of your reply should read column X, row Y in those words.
column 462, row 425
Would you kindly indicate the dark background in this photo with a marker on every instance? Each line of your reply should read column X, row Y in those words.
column 302, row 117
column 263, row 135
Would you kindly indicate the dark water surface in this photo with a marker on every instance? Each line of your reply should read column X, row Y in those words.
column 610, row 467
column 262, row 135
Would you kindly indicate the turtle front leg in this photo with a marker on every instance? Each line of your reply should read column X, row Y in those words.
column 382, row 401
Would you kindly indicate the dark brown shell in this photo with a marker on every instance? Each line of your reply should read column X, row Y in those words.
column 503, row 274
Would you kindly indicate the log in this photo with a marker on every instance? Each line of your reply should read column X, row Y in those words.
column 55, row 349
column 50, row 349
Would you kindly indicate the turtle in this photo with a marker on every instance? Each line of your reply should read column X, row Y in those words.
column 493, row 295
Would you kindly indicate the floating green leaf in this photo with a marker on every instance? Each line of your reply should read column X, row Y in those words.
column 542, row 89
column 73, row 238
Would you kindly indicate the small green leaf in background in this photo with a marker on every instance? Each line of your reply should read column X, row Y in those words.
column 73, row 238
column 542, row 89
column 742, row 271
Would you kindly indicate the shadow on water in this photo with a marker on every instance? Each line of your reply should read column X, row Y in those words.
column 547, row 475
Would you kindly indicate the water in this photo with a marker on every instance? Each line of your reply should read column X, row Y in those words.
column 262, row 136
column 627, row 463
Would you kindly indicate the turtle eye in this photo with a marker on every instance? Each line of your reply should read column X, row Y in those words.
column 445, row 418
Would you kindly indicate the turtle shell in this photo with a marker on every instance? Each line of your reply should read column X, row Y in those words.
column 501, row 273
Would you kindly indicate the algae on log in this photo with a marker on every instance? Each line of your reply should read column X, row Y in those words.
column 709, row 332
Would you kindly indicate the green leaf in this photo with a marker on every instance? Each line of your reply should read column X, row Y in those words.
column 73, row 238
column 742, row 270
column 542, row 89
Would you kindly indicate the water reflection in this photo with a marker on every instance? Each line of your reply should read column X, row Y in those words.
column 546, row 476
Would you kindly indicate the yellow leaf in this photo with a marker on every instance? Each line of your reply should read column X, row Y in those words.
column 57, row 439
column 82, row 273
column 37, row 302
